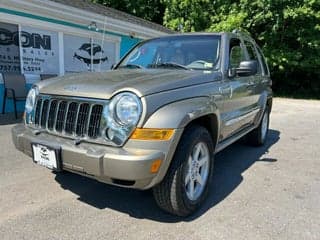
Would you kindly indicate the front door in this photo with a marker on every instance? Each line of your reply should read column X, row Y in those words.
column 240, row 106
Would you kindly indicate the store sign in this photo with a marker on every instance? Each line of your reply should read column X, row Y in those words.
column 33, row 40
column 76, row 56
column 84, row 54
column 9, row 48
column 108, row 50
column 40, row 51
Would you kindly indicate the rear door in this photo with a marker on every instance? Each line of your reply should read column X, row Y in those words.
column 266, row 82
column 254, row 86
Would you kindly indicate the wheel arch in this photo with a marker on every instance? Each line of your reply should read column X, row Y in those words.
column 210, row 122
column 181, row 114
column 269, row 103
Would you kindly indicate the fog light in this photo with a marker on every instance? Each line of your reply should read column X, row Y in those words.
column 110, row 133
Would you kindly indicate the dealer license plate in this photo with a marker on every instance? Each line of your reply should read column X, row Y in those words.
column 45, row 156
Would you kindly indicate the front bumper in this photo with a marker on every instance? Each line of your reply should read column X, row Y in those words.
column 128, row 166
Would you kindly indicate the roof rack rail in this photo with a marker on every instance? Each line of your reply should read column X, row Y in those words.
column 237, row 31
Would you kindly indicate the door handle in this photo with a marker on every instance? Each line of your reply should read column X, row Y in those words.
column 226, row 90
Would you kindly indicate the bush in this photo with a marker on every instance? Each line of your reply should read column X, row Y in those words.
column 288, row 32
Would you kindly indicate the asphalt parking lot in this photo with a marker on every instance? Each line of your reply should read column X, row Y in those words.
column 271, row 192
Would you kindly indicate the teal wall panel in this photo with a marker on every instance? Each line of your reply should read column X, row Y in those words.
column 9, row 103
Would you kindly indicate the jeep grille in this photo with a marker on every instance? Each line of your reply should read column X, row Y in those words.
column 79, row 118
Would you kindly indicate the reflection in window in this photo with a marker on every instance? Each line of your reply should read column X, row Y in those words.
column 9, row 48
column 193, row 52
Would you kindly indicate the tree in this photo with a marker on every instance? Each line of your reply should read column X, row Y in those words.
column 287, row 30
column 189, row 15
column 152, row 10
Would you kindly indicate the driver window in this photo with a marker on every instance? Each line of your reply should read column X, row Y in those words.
column 236, row 54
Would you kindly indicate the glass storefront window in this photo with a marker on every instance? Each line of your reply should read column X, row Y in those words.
column 40, row 51
column 40, row 48
column 9, row 48
column 77, row 53
column 104, row 55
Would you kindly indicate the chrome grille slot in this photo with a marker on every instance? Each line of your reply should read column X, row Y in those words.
column 94, row 123
column 71, row 117
column 83, row 114
column 76, row 118
column 37, row 113
column 61, row 116
column 44, row 113
column 52, row 114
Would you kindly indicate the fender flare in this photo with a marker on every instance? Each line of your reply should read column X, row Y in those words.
column 177, row 115
column 180, row 113
column 263, row 102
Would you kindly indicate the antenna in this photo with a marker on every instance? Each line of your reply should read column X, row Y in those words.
column 102, row 41
column 239, row 32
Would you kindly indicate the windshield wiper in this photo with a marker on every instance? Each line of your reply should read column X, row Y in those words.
column 167, row 65
column 131, row 66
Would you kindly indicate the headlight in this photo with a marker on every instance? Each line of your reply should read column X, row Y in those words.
column 31, row 99
column 127, row 109
column 121, row 117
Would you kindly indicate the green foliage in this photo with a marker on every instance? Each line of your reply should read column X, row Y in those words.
column 191, row 15
column 287, row 30
column 152, row 10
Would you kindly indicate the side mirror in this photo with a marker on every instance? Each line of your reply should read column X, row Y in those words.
column 247, row 68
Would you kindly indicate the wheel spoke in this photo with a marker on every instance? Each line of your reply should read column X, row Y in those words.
column 201, row 150
column 189, row 161
column 191, row 188
column 203, row 160
column 197, row 152
column 187, row 179
column 199, row 179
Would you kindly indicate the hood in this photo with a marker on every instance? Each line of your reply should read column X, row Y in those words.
column 104, row 85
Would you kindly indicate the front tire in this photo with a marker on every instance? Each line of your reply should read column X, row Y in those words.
column 188, row 178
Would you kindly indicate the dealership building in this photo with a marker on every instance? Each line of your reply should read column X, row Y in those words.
column 42, row 37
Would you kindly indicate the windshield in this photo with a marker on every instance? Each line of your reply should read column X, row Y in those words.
column 199, row 52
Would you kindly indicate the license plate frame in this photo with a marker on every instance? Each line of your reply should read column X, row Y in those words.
column 47, row 156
